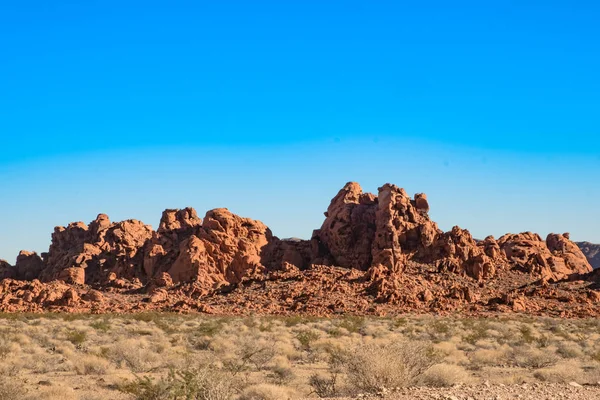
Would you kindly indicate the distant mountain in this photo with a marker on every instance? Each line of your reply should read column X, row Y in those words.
column 592, row 252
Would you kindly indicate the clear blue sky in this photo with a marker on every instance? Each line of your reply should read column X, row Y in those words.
column 268, row 107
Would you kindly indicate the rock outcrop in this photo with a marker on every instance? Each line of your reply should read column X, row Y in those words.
column 346, row 236
column 163, row 248
column 391, row 229
column 81, row 254
column 555, row 258
column 377, row 249
column 361, row 229
column 457, row 251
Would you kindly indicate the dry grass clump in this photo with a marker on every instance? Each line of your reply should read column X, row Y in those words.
column 58, row 392
column 490, row 357
column 570, row 350
column 442, row 375
column 134, row 354
column 371, row 368
column 564, row 372
column 528, row 357
column 88, row 364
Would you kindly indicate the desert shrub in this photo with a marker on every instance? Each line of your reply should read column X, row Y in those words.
column 527, row 334
column 328, row 385
column 533, row 358
column 209, row 328
column 90, row 365
column 569, row 350
column 372, row 367
column 324, row 386
column 76, row 337
column 133, row 354
column 561, row 373
column 205, row 382
column 102, row 325
column 265, row 391
column 281, row 374
column 441, row 375
column 249, row 352
column 351, row 324
column 306, row 338
column 6, row 347
column 476, row 332
column 489, row 357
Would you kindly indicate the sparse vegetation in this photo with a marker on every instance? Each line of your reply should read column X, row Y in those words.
column 166, row 356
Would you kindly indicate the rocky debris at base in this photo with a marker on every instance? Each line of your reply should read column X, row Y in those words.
column 373, row 254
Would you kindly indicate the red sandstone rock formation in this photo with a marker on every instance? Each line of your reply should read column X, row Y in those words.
column 384, row 247
column 82, row 254
column 554, row 259
column 163, row 249
column 345, row 238
column 361, row 230
column 456, row 251
column 221, row 249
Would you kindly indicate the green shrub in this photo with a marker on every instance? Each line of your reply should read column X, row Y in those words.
column 76, row 337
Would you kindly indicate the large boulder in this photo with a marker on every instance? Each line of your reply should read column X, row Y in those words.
column 575, row 262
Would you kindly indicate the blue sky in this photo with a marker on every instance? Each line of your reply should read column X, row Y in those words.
column 268, row 108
